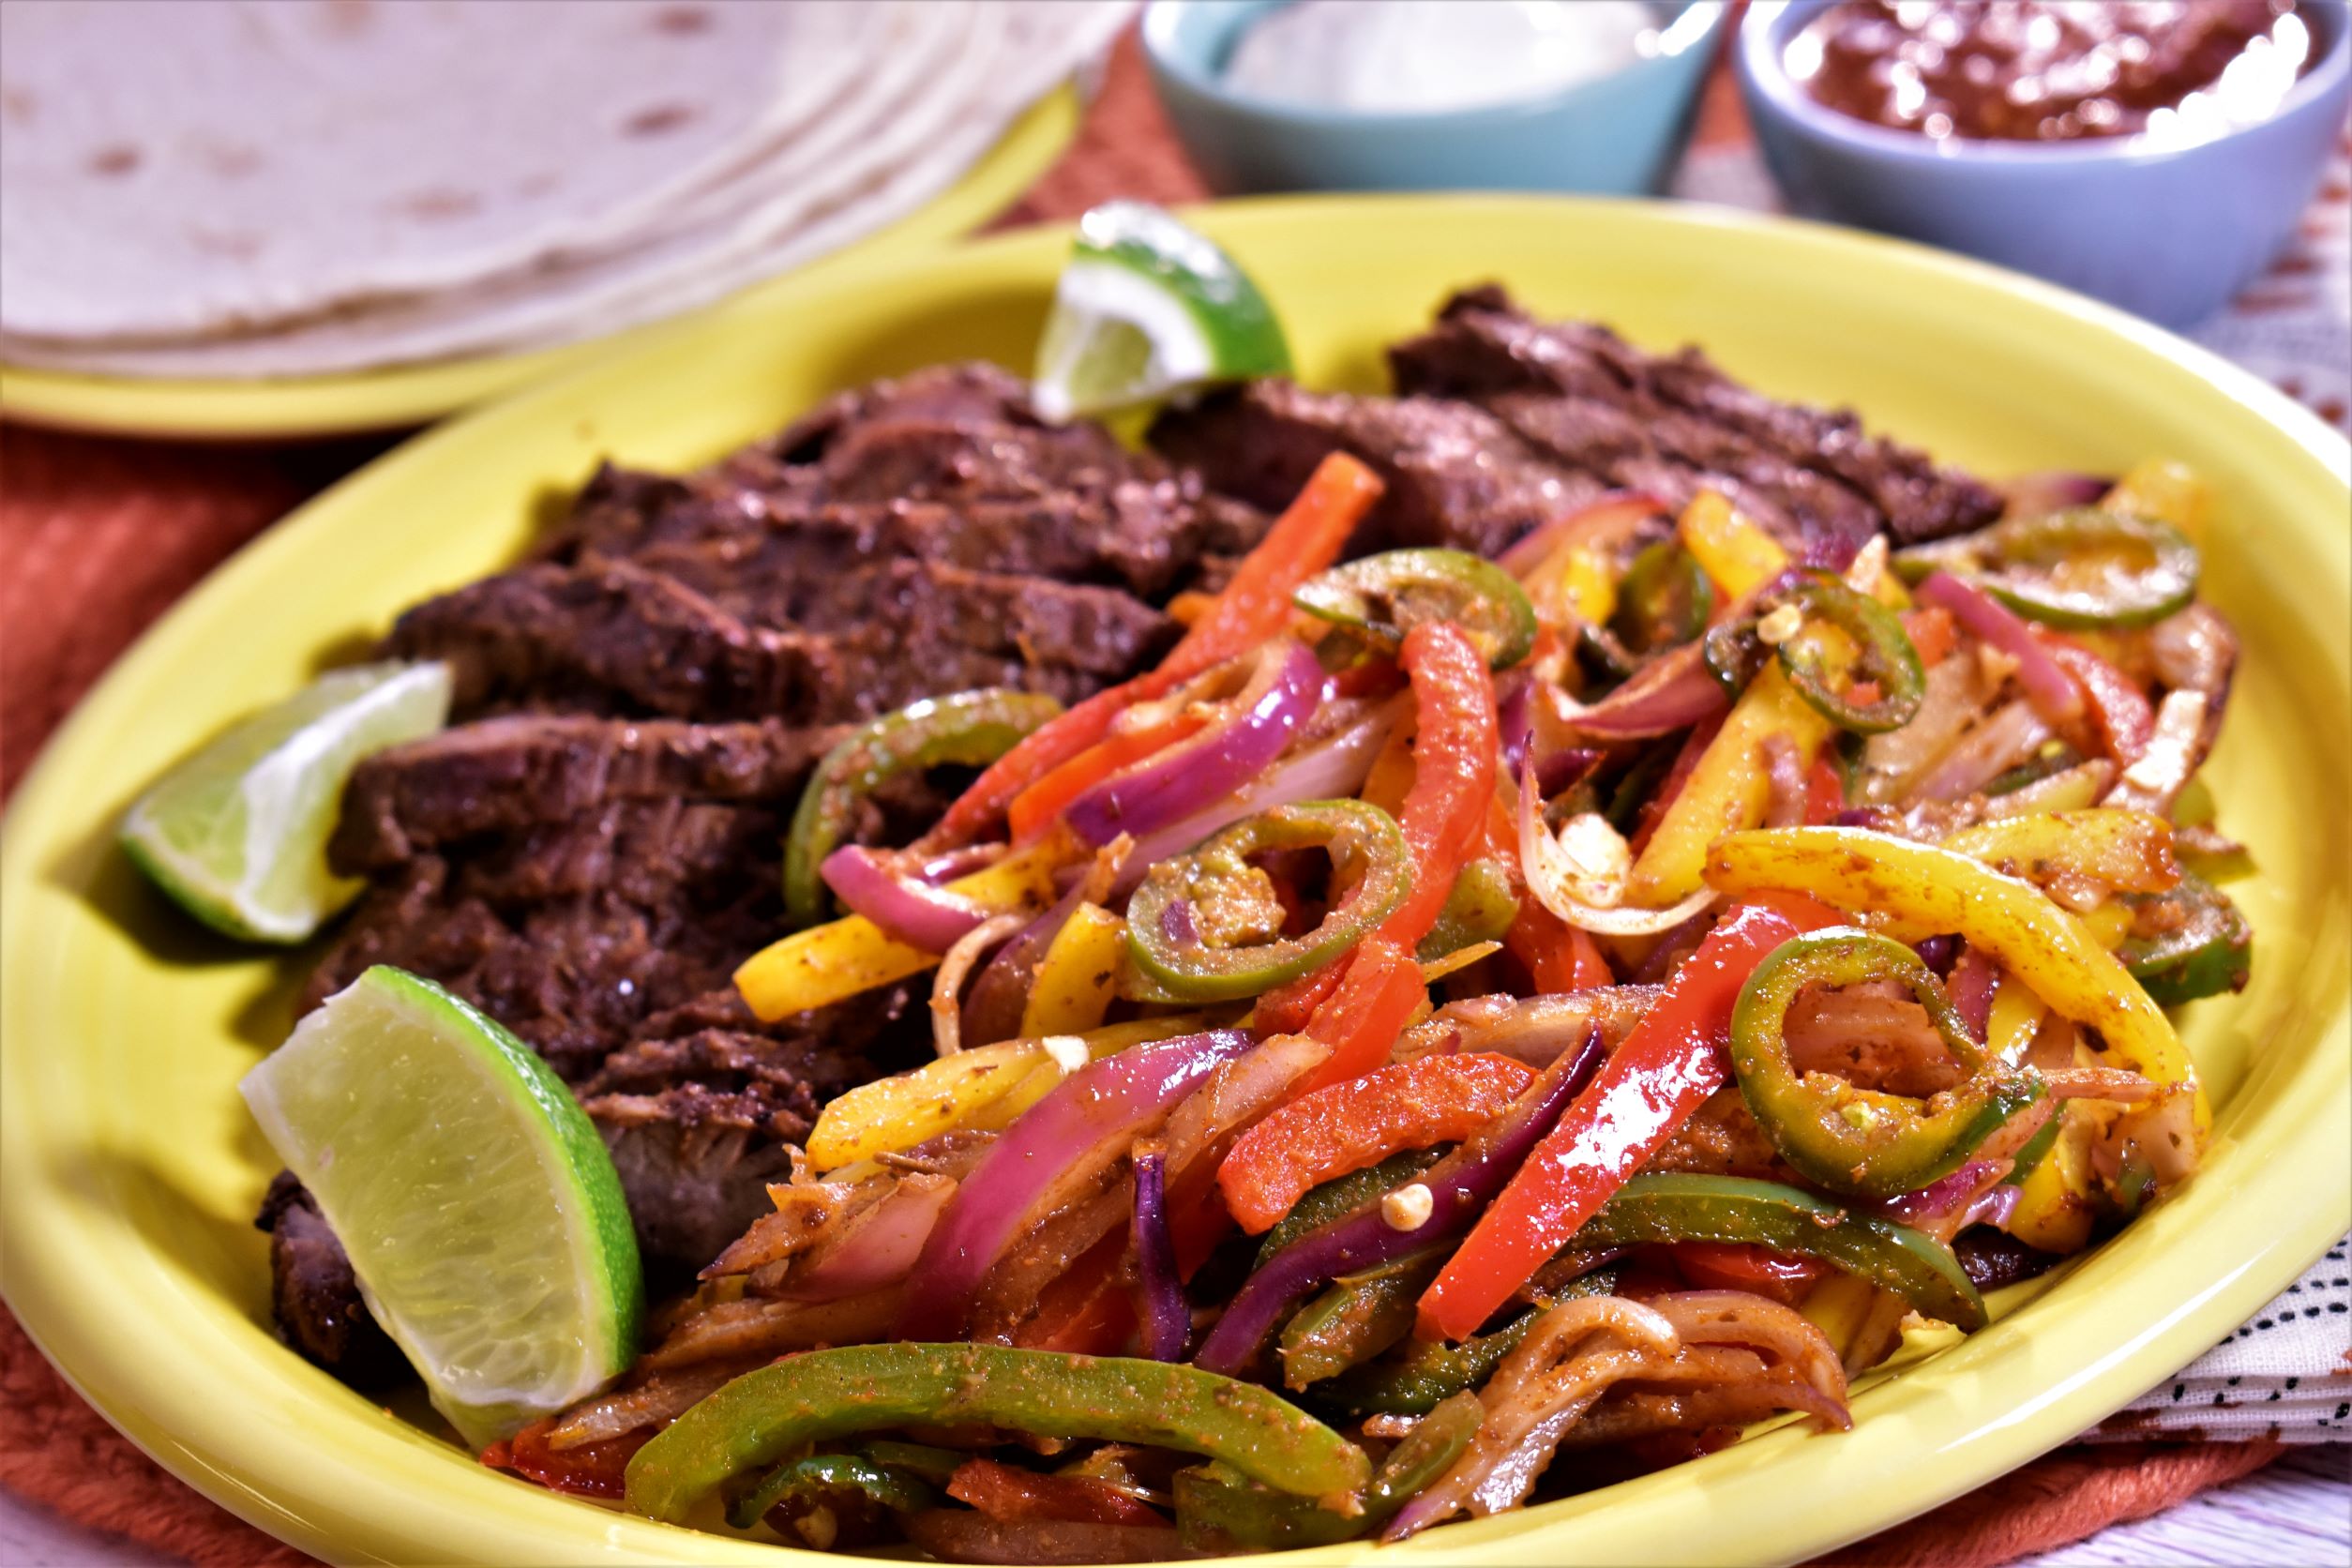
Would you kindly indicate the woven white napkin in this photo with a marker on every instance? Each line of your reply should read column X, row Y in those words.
column 2287, row 1374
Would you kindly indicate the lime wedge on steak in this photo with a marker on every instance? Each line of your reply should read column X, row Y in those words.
column 1144, row 308
column 482, row 1214
column 237, row 833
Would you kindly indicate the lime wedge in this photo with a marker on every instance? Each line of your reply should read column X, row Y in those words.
column 1145, row 307
column 482, row 1214
column 237, row 833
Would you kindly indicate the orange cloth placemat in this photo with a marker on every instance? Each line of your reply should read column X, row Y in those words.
column 97, row 537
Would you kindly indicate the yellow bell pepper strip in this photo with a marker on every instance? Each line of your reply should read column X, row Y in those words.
column 1850, row 1139
column 2166, row 492
column 2127, row 852
column 1574, row 583
column 2055, row 1204
column 1928, row 889
column 2015, row 1017
column 761, row 1416
column 1079, row 976
column 982, row 1088
column 1726, row 791
column 1740, row 556
column 826, row 963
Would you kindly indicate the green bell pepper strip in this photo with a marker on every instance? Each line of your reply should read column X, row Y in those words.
column 1359, row 1317
column 1343, row 1195
column 2206, row 951
column 971, row 728
column 1687, row 1208
column 763, row 1415
column 1217, row 1506
column 1663, row 599
column 1369, row 858
column 1481, row 907
column 1855, row 1140
column 1424, row 1373
column 1381, row 597
column 824, row 1476
column 2046, row 569
column 1882, row 653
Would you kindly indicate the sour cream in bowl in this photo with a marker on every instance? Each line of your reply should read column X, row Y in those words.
column 1520, row 95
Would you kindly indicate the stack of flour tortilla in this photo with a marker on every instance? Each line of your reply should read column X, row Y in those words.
column 290, row 187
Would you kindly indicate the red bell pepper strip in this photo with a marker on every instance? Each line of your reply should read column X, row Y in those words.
column 1735, row 1266
column 1825, row 794
column 1252, row 607
column 1009, row 1494
column 596, row 1470
column 1347, row 1126
column 2119, row 711
column 1932, row 631
column 1444, row 812
column 1671, row 1062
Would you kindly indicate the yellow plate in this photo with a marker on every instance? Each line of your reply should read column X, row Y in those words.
column 129, row 1173
column 418, row 394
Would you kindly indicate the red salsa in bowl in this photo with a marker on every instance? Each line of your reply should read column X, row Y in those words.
column 2174, row 72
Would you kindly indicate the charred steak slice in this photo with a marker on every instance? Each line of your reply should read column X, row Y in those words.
column 523, row 770
column 614, row 635
column 1484, row 347
column 314, row 1295
column 1456, row 475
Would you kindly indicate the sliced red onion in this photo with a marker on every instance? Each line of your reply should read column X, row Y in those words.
column 1285, row 688
column 1602, row 521
column 1995, row 1207
column 1166, row 1319
column 1100, row 1106
column 1975, row 977
column 1514, row 718
column 2048, row 686
column 1333, row 771
column 1553, row 876
column 1940, row 1207
column 1987, row 752
column 878, row 1247
column 1672, row 692
column 1539, row 1030
column 1460, row 1186
column 912, row 912
column 950, row 864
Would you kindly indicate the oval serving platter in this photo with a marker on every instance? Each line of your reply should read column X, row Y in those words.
column 130, row 1173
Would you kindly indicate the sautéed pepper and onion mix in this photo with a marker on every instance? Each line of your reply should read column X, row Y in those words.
column 1462, row 1030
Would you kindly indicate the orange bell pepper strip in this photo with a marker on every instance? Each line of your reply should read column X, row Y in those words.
column 1932, row 632
column 1252, row 607
column 1454, row 780
column 1033, row 810
column 1347, row 1126
column 1674, row 1059
column 1736, row 1266
column 1009, row 1494
column 1825, row 792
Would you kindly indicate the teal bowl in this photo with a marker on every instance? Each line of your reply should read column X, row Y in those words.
column 1616, row 136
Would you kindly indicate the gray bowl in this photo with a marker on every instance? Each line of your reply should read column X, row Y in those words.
column 2171, row 234
column 1620, row 135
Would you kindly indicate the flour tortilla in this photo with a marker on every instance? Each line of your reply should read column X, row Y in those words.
column 181, row 167
column 953, row 78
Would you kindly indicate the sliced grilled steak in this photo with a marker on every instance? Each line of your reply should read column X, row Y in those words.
column 971, row 393
column 315, row 1296
column 572, row 934
column 613, row 636
column 522, row 770
column 1484, row 347
column 698, row 1124
column 1456, row 475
